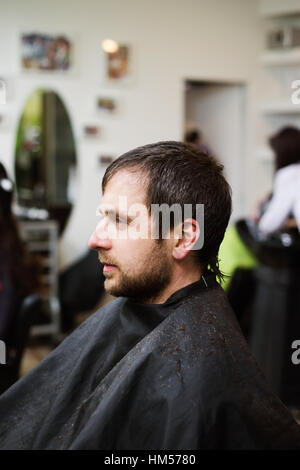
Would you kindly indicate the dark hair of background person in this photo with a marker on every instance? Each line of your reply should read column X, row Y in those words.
column 24, row 269
column 179, row 173
column 193, row 136
column 286, row 146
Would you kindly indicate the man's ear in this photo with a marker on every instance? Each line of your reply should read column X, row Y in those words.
column 186, row 235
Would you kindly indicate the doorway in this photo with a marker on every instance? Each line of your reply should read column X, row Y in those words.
column 218, row 111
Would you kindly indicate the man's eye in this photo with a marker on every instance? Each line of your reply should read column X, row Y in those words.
column 121, row 221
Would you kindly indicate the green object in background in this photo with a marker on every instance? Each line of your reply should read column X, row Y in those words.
column 233, row 254
column 31, row 117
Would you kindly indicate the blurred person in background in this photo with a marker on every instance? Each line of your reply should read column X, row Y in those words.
column 276, row 212
column 282, row 209
column 194, row 137
column 18, row 271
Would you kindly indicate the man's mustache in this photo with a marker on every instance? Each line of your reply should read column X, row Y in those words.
column 106, row 261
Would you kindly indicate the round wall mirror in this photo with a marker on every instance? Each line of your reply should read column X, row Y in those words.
column 45, row 157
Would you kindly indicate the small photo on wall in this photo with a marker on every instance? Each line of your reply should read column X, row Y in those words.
column 46, row 52
column 91, row 131
column 105, row 159
column 117, row 63
column 105, row 103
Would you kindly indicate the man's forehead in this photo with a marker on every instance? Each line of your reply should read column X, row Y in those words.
column 127, row 184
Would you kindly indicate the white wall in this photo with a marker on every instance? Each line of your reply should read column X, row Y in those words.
column 171, row 40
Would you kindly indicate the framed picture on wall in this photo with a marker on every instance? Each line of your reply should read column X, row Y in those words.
column 106, row 104
column 91, row 131
column 105, row 159
column 118, row 64
column 46, row 52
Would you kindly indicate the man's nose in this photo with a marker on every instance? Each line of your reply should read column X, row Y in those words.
column 99, row 239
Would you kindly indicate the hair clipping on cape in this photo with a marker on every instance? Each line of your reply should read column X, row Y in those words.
column 6, row 185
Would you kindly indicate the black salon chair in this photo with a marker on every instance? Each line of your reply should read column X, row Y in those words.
column 275, row 321
column 81, row 287
column 17, row 341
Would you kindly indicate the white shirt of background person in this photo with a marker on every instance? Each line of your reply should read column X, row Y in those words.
column 285, row 200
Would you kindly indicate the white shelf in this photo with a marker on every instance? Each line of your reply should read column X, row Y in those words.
column 41, row 238
column 281, row 57
column 279, row 107
column 277, row 8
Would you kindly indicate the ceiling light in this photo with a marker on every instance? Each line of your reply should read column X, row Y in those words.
column 110, row 46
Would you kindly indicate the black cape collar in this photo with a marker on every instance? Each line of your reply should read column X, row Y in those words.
column 152, row 314
column 180, row 294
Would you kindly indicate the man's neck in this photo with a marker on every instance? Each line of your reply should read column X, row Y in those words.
column 179, row 280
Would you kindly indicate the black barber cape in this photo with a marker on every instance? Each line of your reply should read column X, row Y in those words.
column 137, row 376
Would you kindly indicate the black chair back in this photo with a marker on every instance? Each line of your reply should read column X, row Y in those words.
column 17, row 341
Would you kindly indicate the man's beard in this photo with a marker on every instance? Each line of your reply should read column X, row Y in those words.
column 144, row 286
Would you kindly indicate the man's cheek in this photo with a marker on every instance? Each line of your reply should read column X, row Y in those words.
column 138, row 230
